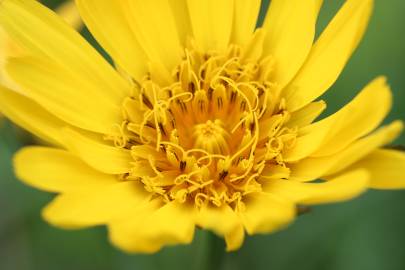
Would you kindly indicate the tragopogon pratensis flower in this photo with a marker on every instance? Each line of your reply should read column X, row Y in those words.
column 203, row 122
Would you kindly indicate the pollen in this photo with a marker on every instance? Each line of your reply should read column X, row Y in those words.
column 207, row 137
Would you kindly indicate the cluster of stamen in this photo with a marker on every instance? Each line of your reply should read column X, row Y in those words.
column 213, row 135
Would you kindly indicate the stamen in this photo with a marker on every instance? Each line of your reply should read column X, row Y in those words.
column 153, row 166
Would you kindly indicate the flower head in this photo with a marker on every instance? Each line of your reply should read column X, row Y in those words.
column 204, row 121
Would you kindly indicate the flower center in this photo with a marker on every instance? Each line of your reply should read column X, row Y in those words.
column 212, row 135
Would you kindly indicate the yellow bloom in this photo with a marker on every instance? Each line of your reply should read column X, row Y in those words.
column 205, row 122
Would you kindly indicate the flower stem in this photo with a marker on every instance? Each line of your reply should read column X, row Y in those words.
column 215, row 252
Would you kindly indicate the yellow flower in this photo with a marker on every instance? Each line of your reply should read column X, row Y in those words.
column 204, row 121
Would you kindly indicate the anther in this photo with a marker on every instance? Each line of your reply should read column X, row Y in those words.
column 210, row 92
column 191, row 87
column 220, row 103
column 182, row 165
column 243, row 105
column 146, row 101
column 252, row 127
column 223, row 174
column 233, row 96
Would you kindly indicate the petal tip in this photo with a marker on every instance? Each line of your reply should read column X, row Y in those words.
column 19, row 161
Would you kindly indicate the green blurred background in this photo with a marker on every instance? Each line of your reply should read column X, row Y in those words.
column 366, row 233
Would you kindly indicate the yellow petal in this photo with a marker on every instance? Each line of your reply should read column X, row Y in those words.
column 364, row 146
column 313, row 168
column 271, row 172
column 54, row 170
column 253, row 49
column 150, row 229
column 341, row 188
column 182, row 18
column 30, row 116
column 218, row 219
column 329, row 54
column 332, row 134
column 307, row 114
column 386, row 168
column 318, row 4
column 266, row 213
column 8, row 48
column 95, row 207
column 359, row 117
column 65, row 95
column 290, row 27
column 244, row 20
column 122, row 232
column 104, row 158
column 309, row 139
column 68, row 11
column 42, row 33
column 211, row 21
column 155, row 28
column 108, row 23
column 234, row 239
